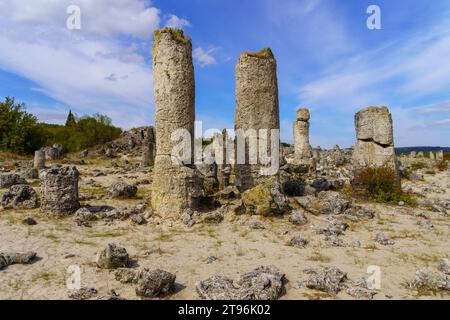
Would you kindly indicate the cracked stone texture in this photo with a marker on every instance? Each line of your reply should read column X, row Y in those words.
column 374, row 139
column 59, row 190
column 302, row 148
column 174, row 91
column 257, row 106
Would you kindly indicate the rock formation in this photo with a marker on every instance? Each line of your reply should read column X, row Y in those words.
column 302, row 148
column 440, row 155
column 375, row 140
column 256, row 108
column 148, row 148
column 59, row 190
column 175, row 182
column 39, row 159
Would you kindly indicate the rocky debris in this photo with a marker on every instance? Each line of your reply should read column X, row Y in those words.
column 329, row 280
column 208, row 171
column 30, row 173
column 382, row 239
column 334, row 241
column 426, row 279
column 265, row 199
column 138, row 219
column 112, row 257
column 228, row 193
column 216, row 216
column 7, row 259
column 112, row 296
column 298, row 242
column 54, row 152
column 256, row 225
column 323, row 184
column 256, row 94
column 20, row 197
column 29, row 221
column 188, row 217
column 264, row 283
column 149, row 283
column 59, row 190
column 211, row 259
column 426, row 224
column 334, row 228
column 326, row 202
column 444, row 266
column 84, row 153
column 361, row 293
column 8, row 180
column 298, row 217
column 359, row 212
column 82, row 293
column 120, row 189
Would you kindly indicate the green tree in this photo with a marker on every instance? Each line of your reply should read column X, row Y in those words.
column 71, row 121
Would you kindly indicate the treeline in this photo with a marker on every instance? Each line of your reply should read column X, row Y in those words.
column 21, row 133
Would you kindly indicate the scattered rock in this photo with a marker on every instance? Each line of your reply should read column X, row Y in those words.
column 298, row 242
column 7, row 259
column 361, row 293
column 211, row 259
column 112, row 257
column 82, row 294
column 138, row 219
column 298, row 217
column 112, row 296
column 426, row 224
column 329, row 279
column 8, row 180
column 427, row 280
column 382, row 239
column 334, row 228
column 326, row 202
column 121, row 189
column 20, row 196
column 29, row 221
column 444, row 266
column 149, row 283
column 266, row 200
column 257, row 225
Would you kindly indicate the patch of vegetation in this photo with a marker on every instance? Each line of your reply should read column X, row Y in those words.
column 265, row 53
column 319, row 257
column 418, row 166
column 20, row 133
column 442, row 165
column 380, row 184
column 176, row 34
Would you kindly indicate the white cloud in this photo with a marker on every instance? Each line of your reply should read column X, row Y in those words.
column 204, row 57
column 176, row 22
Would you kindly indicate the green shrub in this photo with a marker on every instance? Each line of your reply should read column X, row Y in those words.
column 418, row 165
column 380, row 184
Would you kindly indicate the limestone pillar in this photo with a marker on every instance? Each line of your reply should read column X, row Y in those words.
column 39, row 160
column 148, row 148
column 302, row 148
column 440, row 155
column 257, row 108
column 175, row 184
column 375, row 140
column 432, row 155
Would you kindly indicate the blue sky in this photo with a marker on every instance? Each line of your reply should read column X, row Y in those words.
column 328, row 60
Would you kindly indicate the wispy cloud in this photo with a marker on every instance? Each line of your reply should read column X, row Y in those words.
column 204, row 57
column 176, row 22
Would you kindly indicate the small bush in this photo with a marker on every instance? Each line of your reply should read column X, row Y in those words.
column 442, row 165
column 417, row 166
column 380, row 184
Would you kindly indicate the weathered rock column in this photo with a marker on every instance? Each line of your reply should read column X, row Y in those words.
column 148, row 148
column 59, row 190
column 175, row 185
column 440, row 155
column 302, row 148
column 257, row 108
column 375, row 140
column 39, row 159
column 432, row 155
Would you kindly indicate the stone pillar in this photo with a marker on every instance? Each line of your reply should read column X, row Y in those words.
column 148, row 148
column 440, row 155
column 413, row 154
column 224, row 169
column 432, row 155
column 257, row 108
column 39, row 159
column 175, row 183
column 375, row 140
column 303, row 150
column 420, row 154
column 59, row 190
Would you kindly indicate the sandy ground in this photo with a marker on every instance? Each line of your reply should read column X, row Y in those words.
column 239, row 249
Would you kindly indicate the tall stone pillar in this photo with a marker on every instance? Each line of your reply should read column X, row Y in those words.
column 148, row 148
column 39, row 160
column 175, row 183
column 256, row 108
column 440, row 155
column 374, row 140
column 432, row 155
column 302, row 148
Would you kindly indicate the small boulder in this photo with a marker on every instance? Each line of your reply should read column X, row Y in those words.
column 82, row 294
column 329, row 280
column 8, row 180
column 298, row 218
column 112, row 257
column 121, row 189
column 20, row 196
column 298, row 242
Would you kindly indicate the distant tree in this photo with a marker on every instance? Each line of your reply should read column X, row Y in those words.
column 71, row 121
column 18, row 128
